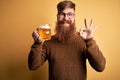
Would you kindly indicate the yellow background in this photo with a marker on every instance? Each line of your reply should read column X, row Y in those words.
column 18, row 19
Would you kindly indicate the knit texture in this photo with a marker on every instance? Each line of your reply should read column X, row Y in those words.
column 67, row 61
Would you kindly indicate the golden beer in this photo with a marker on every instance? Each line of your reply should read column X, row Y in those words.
column 44, row 32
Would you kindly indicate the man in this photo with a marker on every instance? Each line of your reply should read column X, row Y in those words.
column 68, row 49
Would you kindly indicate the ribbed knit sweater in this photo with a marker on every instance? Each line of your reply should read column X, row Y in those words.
column 67, row 61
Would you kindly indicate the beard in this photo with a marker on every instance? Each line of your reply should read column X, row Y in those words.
column 64, row 33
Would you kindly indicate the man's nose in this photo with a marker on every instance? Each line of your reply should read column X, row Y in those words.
column 66, row 17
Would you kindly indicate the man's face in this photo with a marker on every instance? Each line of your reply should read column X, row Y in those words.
column 65, row 25
column 66, row 17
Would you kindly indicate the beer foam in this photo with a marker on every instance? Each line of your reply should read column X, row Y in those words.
column 46, row 26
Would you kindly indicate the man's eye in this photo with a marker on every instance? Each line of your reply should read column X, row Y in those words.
column 69, row 14
column 62, row 14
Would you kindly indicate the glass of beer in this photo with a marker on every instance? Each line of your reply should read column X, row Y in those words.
column 44, row 31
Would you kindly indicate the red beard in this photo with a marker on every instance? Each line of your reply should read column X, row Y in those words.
column 63, row 33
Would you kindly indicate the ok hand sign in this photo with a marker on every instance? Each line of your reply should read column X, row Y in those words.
column 87, row 31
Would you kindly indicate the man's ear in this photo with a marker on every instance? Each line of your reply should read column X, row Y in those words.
column 57, row 15
column 75, row 15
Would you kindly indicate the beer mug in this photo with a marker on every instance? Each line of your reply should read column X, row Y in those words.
column 44, row 31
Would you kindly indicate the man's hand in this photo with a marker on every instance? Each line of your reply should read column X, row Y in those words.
column 87, row 31
column 36, row 36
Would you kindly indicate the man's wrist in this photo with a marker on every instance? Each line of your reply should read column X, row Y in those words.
column 87, row 40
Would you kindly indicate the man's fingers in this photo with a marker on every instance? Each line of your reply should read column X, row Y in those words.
column 85, row 22
column 86, row 25
column 94, row 28
column 82, row 29
column 35, row 35
column 91, row 22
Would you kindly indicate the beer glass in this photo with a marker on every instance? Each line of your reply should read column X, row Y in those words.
column 44, row 31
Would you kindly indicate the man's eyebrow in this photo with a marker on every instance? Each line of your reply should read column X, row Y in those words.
column 67, row 12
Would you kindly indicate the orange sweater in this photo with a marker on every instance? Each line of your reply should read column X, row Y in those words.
column 67, row 61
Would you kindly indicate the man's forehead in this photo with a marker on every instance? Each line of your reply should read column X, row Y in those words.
column 66, row 10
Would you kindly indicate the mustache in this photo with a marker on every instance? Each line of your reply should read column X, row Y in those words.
column 65, row 21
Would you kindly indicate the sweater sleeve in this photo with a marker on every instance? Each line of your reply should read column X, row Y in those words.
column 95, row 56
column 37, row 56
